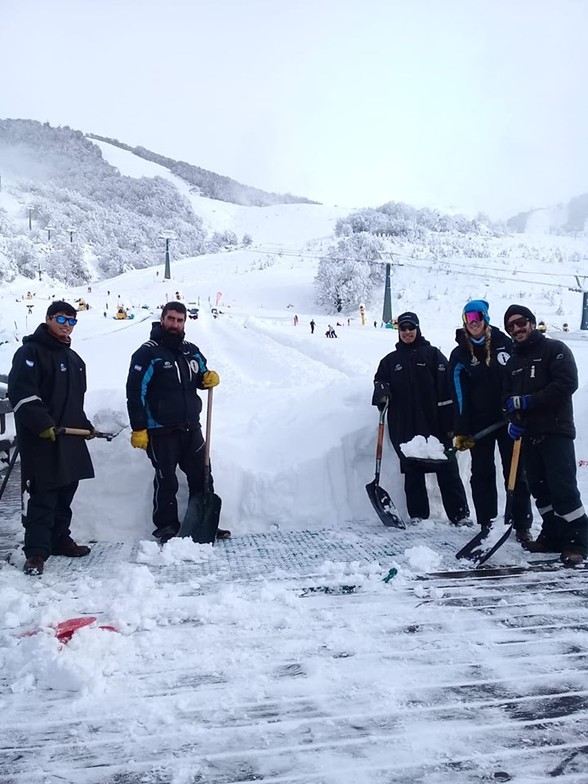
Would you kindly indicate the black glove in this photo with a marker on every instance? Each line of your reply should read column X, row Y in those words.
column 383, row 402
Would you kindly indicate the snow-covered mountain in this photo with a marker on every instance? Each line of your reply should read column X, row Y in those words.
column 569, row 218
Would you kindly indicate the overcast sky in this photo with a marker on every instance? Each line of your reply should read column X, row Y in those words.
column 480, row 104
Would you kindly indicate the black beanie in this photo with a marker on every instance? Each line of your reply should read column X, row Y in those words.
column 520, row 310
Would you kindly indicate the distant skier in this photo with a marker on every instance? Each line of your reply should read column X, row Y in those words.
column 312, row 326
column 330, row 333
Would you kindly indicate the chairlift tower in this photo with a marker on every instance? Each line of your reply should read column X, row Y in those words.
column 167, row 236
column 581, row 279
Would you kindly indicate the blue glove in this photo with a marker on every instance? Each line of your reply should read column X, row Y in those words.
column 515, row 431
column 519, row 403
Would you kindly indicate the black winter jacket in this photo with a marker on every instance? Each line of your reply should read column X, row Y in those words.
column 164, row 375
column 478, row 387
column 46, row 388
column 416, row 379
column 545, row 369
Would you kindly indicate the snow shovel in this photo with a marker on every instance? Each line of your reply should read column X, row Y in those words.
column 486, row 543
column 203, row 512
column 380, row 499
column 451, row 451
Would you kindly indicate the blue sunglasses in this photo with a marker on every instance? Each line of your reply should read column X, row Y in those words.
column 66, row 320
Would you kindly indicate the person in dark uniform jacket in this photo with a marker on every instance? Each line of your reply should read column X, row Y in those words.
column 477, row 370
column 413, row 382
column 46, row 388
column 164, row 409
column 541, row 377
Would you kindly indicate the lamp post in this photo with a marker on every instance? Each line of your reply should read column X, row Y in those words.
column 167, row 236
column 30, row 210
column 48, row 229
column 71, row 233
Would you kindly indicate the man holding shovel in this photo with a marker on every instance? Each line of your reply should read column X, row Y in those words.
column 164, row 409
column 46, row 388
column 541, row 378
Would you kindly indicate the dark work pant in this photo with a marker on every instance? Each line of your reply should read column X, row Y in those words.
column 46, row 518
column 483, row 481
column 451, row 487
column 167, row 451
column 551, row 472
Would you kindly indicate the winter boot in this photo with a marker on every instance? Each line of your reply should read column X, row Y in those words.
column 70, row 548
column 222, row 533
column 34, row 565
column 542, row 544
column 460, row 522
column 524, row 537
column 163, row 535
column 571, row 558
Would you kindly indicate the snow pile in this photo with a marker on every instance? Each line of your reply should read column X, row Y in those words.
column 424, row 448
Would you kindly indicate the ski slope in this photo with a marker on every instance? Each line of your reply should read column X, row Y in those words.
column 282, row 655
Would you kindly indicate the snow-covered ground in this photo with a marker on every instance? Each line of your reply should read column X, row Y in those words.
column 282, row 655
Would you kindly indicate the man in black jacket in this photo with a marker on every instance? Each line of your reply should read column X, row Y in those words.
column 413, row 381
column 540, row 381
column 46, row 388
column 164, row 410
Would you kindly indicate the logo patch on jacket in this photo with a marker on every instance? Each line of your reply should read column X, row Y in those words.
column 30, row 362
column 63, row 368
column 167, row 364
column 502, row 357
column 398, row 367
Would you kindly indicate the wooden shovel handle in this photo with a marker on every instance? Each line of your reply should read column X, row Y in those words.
column 71, row 431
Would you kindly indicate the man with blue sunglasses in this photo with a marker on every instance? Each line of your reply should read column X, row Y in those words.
column 46, row 388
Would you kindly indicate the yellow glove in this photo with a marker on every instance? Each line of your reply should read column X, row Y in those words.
column 140, row 439
column 210, row 379
column 463, row 443
column 48, row 433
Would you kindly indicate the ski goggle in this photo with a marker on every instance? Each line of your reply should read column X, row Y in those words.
column 472, row 316
column 65, row 320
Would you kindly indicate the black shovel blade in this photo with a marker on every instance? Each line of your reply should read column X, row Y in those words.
column 484, row 545
column 384, row 506
column 202, row 518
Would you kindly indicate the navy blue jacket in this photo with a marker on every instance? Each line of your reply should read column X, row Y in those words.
column 545, row 369
column 416, row 379
column 46, row 388
column 478, row 387
column 162, row 384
